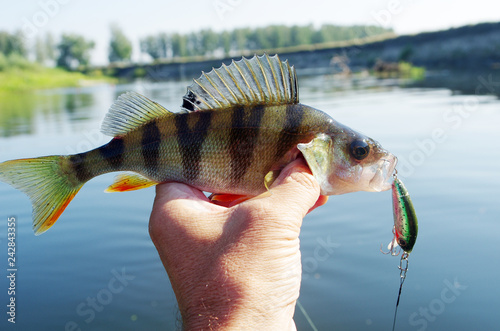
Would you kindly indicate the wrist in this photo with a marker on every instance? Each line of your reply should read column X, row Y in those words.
column 225, row 306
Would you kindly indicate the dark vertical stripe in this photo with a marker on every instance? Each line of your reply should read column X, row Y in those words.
column 294, row 115
column 78, row 165
column 112, row 152
column 150, row 143
column 243, row 139
column 191, row 140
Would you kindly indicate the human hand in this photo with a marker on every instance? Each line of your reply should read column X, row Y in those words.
column 238, row 267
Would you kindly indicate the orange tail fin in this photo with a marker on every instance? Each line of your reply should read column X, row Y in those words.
column 45, row 183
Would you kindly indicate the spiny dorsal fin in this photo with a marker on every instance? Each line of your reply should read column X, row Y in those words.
column 130, row 111
column 259, row 80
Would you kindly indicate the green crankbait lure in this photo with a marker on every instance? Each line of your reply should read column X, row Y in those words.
column 405, row 230
column 405, row 219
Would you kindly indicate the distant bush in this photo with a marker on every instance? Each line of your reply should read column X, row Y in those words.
column 139, row 72
column 16, row 61
column 410, row 71
column 3, row 62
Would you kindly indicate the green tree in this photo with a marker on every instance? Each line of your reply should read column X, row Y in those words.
column 40, row 55
column 44, row 49
column 301, row 35
column 262, row 39
column 151, row 46
column 50, row 47
column 12, row 43
column 164, row 42
column 278, row 36
column 194, row 46
column 209, row 41
column 240, row 38
column 4, row 42
column 179, row 45
column 120, row 47
column 74, row 51
column 225, row 42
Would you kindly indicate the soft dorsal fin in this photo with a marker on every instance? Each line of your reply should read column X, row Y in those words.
column 130, row 111
column 259, row 80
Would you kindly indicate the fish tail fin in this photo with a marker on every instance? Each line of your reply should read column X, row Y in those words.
column 49, row 182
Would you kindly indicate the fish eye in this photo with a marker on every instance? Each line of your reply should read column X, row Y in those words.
column 401, row 242
column 359, row 149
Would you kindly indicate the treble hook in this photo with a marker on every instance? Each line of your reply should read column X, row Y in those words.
column 393, row 245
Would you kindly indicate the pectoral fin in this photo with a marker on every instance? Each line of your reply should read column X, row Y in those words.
column 318, row 156
column 129, row 182
column 270, row 178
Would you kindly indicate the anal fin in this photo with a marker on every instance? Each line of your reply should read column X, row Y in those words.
column 130, row 182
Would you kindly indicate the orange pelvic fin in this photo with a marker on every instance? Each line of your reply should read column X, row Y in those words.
column 129, row 182
column 228, row 200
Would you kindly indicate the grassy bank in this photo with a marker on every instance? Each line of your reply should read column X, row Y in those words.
column 37, row 77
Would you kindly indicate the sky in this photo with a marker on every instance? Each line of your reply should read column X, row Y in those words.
column 92, row 18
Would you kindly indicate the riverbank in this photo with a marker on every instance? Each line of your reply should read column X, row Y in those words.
column 472, row 47
column 38, row 77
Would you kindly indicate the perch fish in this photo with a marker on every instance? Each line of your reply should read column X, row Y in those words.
column 238, row 126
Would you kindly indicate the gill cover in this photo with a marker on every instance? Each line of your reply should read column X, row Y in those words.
column 318, row 156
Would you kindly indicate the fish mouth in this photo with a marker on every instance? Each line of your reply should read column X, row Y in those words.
column 382, row 173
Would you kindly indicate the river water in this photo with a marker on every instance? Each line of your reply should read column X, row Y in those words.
column 97, row 269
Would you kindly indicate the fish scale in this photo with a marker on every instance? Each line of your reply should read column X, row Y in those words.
column 239, row 125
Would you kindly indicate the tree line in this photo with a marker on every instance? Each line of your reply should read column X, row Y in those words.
column 208, row 42
column 72, row 51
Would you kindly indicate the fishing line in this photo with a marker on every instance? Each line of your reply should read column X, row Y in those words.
column 306, row 315
column 402, row 274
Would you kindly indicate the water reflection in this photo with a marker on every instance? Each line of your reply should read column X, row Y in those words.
column 463, row 82
column 77, row 101
column 18, row 111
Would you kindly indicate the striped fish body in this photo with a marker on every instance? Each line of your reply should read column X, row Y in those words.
column 224, row 151
column 239, row 125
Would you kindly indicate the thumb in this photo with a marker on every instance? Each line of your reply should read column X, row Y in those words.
column 296, row 189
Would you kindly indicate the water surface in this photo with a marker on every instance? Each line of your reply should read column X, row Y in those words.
column 447, row 146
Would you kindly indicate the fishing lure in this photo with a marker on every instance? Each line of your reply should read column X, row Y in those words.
column 405, row 231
